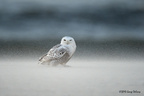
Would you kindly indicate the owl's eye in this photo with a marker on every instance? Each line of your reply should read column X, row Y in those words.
column 64, row 39
column 70, row 39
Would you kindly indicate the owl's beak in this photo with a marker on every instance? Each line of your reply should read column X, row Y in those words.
column 67, row 42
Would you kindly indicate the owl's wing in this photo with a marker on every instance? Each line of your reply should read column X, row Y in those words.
column 57, row 52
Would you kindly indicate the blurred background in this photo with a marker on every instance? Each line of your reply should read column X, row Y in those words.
column 101, row 28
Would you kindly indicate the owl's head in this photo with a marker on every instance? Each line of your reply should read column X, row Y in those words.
column 68, row 41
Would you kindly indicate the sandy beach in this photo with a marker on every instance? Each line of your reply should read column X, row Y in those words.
column 92, row 77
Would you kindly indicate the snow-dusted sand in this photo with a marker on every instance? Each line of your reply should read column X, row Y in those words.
column 93, row 77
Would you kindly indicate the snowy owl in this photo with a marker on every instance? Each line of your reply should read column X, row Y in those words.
column 60, row 53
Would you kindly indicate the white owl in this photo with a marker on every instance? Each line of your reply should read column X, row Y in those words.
column 60, row 53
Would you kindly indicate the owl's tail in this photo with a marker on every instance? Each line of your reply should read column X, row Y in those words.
column 42, row 59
